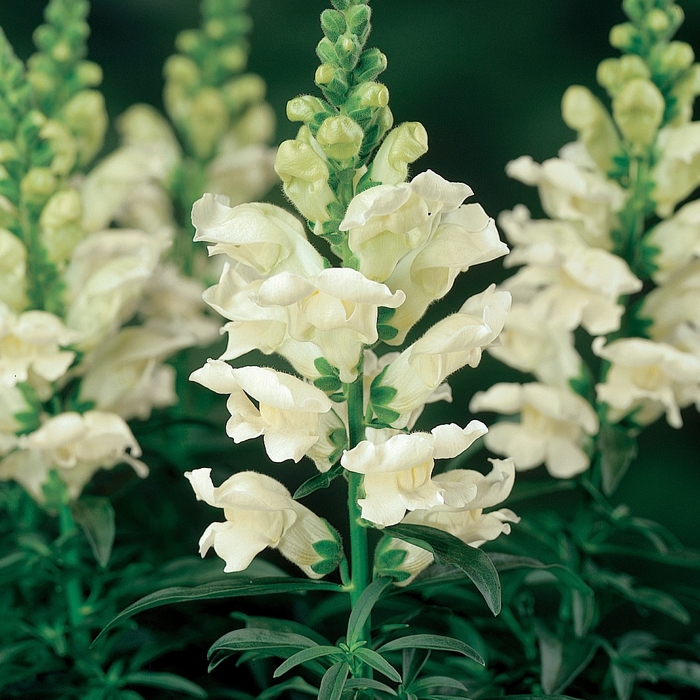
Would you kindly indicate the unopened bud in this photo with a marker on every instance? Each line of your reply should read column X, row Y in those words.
column 8, row 152
column 233, row 58
column 372, row 63
column 89, row 74
column 584, row 113
column 325, row 50
column 13, row 268
column 215, row 29
column 257, row 125
column 358, row 21
column 638, row 110
column 63, row 146
column 207, row 123
column 182, row 70
column 341, row 4
column 677, row 56
column 624, row 36
column 340, row 137
column 658, row 21
column 188, row 41
column 404, row 145
column 613, row 73
column 324, row 74
column 305, row 108
column 634, row 9
column 86, row 117
column 333, row 24
column 37, row 186
column 244, row 91
column 60, row 225
column 61, row 52
column 368, row 94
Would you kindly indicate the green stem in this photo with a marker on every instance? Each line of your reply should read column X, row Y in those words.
column 359, row 547
column 71, row 583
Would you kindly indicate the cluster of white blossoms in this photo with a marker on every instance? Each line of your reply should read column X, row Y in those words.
column 401, row 244
column 91, row 303
column 581, row 266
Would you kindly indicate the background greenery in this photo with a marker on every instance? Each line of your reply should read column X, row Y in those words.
column 485, row 77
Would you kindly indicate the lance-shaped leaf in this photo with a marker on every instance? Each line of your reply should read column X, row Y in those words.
column 432, row 641
column 166, row 681
column 235, row 588
column 333, row 682
column 363, row 608
column 448, row 549
column 305, row 655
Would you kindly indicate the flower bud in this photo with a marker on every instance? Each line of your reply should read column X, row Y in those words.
column 233, row 58
column 341, row 4
column 358, row 21
column 333, row 24
column 187, row 41
column 657, row 21
column 256, row 126
column 182, row 70
column 207, row 122
column 340, row 137
column 584, row 113
column 404, row 145
column 371, row 64
column 63, row 146
column 60, row 225
column 638, row 110
column 676, row 56
column 324, row 74
column 13, row 268
column 86, row 117
column 304, row 175
column 368, row 94
column 624, row 36
column 89, row 74
column 244, row 91
column 38, row 185
column 634, row 9
column 613, row 73
column 305, row 108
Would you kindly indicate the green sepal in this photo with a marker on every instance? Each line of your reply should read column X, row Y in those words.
column 382, row 395
column 448, row 549
column 333, row 25
column 325, row 50
column 325, row 368
column 358, row 21
column 385, row 416
column 328, row 384
column 372, row 64
column 331, row 552
column 319, row 481
column 432, row 641
column 29, row 420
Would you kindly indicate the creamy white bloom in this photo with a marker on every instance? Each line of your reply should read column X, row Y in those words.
column 13, row 271
column 126, row 375
column 564, row 280
column 647, row 379
column 534, row 344
column 256, row 327
column 173, row 304
column 553, row 429
column 263, row 236
column 386, row 222
column 398, row 470
column 106, row 278
column 673, row 304
column 259, row 513
column 469, row 523
column 677, row 172
column 572, row 192
column 336, row 310
column 31, row 344
column 450, row 344
column 677, row 241
column 74, row 445
column 241, row 173
column 149, row 154
column 287, row 412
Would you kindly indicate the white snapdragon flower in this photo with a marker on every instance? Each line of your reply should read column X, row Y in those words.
column 287, row 413
column 554, row 428
column 386, row 222
column 263, row 236
column 74, row 445
column 255, row 327
column 677, row 172
column 647, row 379
column 398, row 470
column 572, row 192
column 105, row 280
column 150, row 152
column 564, row 280
column 31, row 345
column 126, row 375
column 336, row 310
column 450, row 344
column 261, row 513
column 13, row 271
column 468, row 523
column 677, row 241
column 172, row 304
column 533, row 344
column 674, row 303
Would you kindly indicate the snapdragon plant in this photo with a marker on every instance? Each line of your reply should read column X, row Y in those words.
column 342, row 400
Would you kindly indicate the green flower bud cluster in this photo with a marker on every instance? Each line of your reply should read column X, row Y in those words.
column 206, row 95
column 330, row 161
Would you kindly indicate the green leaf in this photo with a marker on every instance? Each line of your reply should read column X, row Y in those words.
column 333, row 681
column 567, row 577
column 166, row 681
column 563, row 659
column 298, row 684
column 448, row 549
column 220, row 589
column 363, row 608
column 301, row 657
column 618, row 447
column 432, row 641
column 318, row 481
column 377, row 662
column 254, row 638
column 96, row 517
column 359, row 683
column 437, row 682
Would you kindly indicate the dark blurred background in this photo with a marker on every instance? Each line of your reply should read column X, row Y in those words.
column 485, row 77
